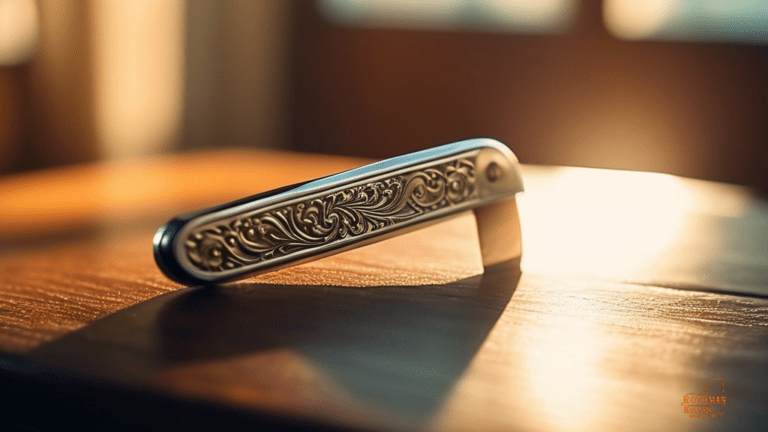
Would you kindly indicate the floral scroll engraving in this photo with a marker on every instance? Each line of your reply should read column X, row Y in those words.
column 351, row 212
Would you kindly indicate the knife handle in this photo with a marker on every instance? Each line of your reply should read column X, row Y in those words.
column 310, row 220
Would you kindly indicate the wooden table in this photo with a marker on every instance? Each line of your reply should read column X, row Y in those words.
column 637, row 292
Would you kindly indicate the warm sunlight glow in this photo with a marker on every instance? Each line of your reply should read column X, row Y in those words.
column 564, row 372
column 618, row 222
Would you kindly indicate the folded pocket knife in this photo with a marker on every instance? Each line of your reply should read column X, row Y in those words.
column 329, row 215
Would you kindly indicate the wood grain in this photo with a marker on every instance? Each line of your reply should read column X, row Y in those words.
column 110, row 194
column 575, row 354
column 49, row 293
column 636, row 290
column 58, row 287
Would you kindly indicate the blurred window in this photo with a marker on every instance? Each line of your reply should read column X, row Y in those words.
column 18, row 31
column 695, row 20
column 547, row 16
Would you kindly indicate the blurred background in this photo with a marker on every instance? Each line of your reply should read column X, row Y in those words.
column 677, row 87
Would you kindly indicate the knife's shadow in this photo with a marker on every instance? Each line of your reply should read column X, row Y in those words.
column 402, row 348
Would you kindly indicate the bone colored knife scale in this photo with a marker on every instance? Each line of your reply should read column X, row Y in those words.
column 307, row 221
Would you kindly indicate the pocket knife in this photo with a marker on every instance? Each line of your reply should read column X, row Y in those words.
column 307, row 221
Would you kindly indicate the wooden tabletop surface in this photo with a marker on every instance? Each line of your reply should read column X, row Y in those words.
column 638, row 293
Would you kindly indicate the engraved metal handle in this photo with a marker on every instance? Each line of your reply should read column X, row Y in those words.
column 307, row 221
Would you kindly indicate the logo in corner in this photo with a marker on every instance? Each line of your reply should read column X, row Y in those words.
column 710, row 404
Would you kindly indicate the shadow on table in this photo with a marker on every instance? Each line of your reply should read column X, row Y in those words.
column 398, row 348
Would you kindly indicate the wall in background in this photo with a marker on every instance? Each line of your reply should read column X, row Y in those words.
column 104, row 80
column 138, row 74
column 238, row 73
column 113, row 79
column 582, row 97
